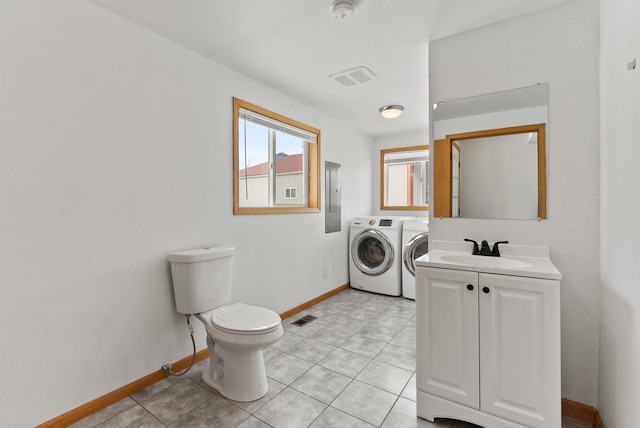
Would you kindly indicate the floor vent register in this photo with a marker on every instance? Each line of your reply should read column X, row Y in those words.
column 304, row 320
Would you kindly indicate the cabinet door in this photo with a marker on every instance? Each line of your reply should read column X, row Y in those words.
column 447, row 334
column 520, row 349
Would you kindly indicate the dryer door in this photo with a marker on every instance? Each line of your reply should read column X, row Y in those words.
column 372, row 252
column 416, row 247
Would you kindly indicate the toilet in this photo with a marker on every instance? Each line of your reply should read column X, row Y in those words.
column 236, row 333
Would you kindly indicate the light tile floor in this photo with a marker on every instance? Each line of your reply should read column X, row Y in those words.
column 354, row 366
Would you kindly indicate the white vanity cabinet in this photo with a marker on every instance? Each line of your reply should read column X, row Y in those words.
column 488, row 346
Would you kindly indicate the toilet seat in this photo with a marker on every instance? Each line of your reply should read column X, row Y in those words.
column 241, row 318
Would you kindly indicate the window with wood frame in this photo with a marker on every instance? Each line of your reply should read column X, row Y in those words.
column 276, row 162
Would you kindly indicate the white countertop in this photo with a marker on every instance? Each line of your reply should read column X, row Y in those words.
column 519, row 260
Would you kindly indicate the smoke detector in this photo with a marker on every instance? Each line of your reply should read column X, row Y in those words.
column 342, row 9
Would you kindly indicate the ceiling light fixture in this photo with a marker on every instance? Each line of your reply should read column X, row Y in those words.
column 342, row 9
column 391, row 111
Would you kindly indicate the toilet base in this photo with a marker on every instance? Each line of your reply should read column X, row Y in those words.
column 238, row 374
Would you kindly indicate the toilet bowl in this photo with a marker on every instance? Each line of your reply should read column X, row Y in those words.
column 236, row 336
column 236, row 333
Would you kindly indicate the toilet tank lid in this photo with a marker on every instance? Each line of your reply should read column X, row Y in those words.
column 201, row 254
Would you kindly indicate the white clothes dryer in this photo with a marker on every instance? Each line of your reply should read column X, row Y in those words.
column 415, row 243
column 375, row 254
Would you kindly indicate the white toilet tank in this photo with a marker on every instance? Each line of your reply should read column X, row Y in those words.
column 201, row 278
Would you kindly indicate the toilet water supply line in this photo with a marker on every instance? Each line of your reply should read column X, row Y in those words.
column 167, row 367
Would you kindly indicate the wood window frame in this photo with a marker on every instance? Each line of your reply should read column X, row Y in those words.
column 313, row 162
column 383, row 179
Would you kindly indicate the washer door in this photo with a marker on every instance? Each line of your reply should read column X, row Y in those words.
column 372, row 252
column 416, row 247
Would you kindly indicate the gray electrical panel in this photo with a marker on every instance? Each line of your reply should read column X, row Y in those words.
column 332, row 217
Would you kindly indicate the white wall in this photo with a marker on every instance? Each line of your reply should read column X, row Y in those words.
column 116, row 150
column 620, row 214
column 558, row 46
column 417, row 137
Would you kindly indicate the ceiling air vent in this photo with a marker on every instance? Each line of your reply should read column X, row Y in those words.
column 354, row 76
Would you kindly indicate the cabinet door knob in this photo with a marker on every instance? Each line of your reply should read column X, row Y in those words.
column 485, row 289
column 469, row 287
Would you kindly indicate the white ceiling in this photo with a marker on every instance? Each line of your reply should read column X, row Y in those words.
column 294, row 46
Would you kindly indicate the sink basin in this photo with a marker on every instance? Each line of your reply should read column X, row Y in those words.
column 484, row 261
column 531, row 261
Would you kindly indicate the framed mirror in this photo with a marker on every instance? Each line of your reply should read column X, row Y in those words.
column 404, row 178
column 489, row 155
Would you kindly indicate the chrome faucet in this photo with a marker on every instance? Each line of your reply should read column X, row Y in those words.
column 484, row 249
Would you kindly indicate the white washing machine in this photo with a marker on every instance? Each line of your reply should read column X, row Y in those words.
column 415, row 243
column 375, row 254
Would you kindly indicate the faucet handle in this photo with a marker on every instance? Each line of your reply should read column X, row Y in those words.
column 495, row 251
column 476, row 249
